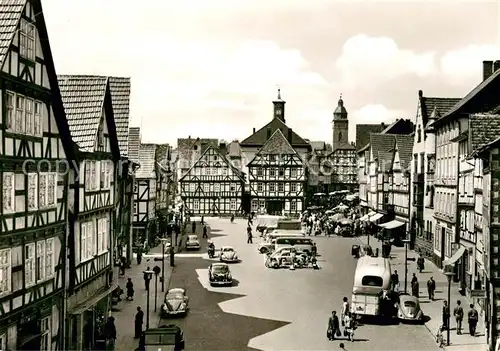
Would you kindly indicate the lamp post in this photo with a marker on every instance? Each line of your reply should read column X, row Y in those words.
column 157, row 271
column 163, row 241
column 149, row 275
column 406, row 242
column 449, row 275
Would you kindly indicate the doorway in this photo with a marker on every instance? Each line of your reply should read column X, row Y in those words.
column 275, row 207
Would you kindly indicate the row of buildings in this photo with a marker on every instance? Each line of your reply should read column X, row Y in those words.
column 69, row 197
column 274, row 170
column 443, row 191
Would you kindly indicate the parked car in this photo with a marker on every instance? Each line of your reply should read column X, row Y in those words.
column 175, row 302
column 267, row 247
column 280, row 258
column 227, row 254
column 192, row 242
column 408, row 309
column 170, row 329
column 219, row 274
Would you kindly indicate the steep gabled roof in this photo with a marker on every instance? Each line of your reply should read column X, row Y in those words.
column 259, row 138
column 120, row 97
column 382, row 143
column 215, row 149
column 83, row 100
column 404, row 144
column 484, row 129
column 363, row 133
column 234, row 149
column 438, row 104
column 344, row 146
column 185, row 146
column 10, row 14
column 277, row 145
column 147, row 162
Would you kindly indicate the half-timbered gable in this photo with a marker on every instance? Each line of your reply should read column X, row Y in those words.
column 163, row 176
column 124, row 187
column 35, row 152
column 277, row 178
column 145, row 191
column 88, row 106
column 212, row 186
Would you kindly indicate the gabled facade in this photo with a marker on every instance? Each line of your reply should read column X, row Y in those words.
column 163, row 177
column 189, row 150
column 429, row 109
column 145, row 192
column 35, row 154
column 88, row 105
column 277, row 178
column 124, row 187
column 212, row 186
column 399, row 184
column 319, row 170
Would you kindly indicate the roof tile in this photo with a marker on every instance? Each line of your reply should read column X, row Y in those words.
column 483, row 129
column 259, row 138
column 10, row 14
column 363, row 133
column 277, row 145
column 83, row 100
column 404, row 144
column 147, row 161
column 442, row 106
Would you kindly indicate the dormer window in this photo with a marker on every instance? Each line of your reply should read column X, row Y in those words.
column 27, row 40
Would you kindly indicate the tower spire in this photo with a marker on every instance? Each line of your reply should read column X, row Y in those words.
column 279, row 93
column 279, row 107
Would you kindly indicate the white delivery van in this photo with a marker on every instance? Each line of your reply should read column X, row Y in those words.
column 301, row 244
column 372, row 282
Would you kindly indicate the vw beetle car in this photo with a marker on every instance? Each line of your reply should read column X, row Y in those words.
column 175, row 303
column 219, row 274
column 280, row 258
column 408, row 309
column 192, row 242
column 227, row 254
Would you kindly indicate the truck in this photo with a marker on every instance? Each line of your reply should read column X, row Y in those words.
column 371, row 291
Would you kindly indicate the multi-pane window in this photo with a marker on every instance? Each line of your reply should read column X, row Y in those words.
column 293, row 206
column 102, row 235
column 259, row 186
column 293, row 172
column 46, row 330
column 47, row 185
column 233, row 205
column 196, row 205
column 27, row 40
column 106, row 174
column 49, row 258
column 91, row 181
column 8, row 192
column 29, row 116
column 29, row 264
column 9, row 110
column 19, row 124
column 32, row 191
column 87, row 248
column 206, row 187
column 281, row 187
column 5, row 271
column 272, row 172
column 217, row 187
column 272, row 187
column 259, row 172
column 38, row 118
column 192, row 187
column 293, row 187
column 40, row 260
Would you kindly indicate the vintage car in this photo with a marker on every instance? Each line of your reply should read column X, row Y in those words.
column 192, row 242
column 408, row 309
column 266, row 247
column 227, row 254
column 280, row 258
column 219, row 274
column 175, row 303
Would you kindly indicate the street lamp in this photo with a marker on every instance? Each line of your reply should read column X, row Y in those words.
column 157, row 271
column 164, row 241
column 406, row 242
column 148, row 275
column 449, row 275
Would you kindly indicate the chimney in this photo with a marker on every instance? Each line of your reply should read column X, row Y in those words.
column 254, row 130
column 268, row 133
column 487, row 69
column 223, row 148
column 420, row 93
column 290, row 135
column 496, row 66
column 382, row 125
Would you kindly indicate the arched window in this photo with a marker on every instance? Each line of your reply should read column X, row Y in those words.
column 340, row 136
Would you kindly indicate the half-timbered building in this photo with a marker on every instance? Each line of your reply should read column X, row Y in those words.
column 124, row 187
column 163, row 177
column 88, row 106
column 144, row 193
column 212, row 186
column 35, row 151
column 277, row 178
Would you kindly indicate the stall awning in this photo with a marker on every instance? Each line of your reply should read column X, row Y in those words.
column 392, row 224
column 92, row 301
column 456, row 256
column 365, row 218
column 376, row 217
column 371, row 213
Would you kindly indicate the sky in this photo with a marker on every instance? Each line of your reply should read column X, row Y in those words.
column 205, row 68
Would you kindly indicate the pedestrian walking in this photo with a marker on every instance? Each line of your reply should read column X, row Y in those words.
column 193, row 227
column 130, row 289
column 333, row 327
column 431, row 288
column 249, row 235
column 395, row 281
column 314, row 250
column 414, row 279
column 205, row 235
column 138, row 322
column 147, row 279
column 415, row 287
column 446, row 315
column 123, row 263
column 458, row 313
column 420, row 263
column 139, row 255
column 110, row 332
column 473, row 317
column 345, row 309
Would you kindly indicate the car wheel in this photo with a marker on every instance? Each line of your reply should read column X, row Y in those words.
column 263, row 250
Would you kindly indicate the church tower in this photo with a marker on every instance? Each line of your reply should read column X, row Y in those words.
column 340, row 125
column 279, row 107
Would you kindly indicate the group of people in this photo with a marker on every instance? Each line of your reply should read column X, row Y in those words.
column 458, row 313
column 347, row 320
